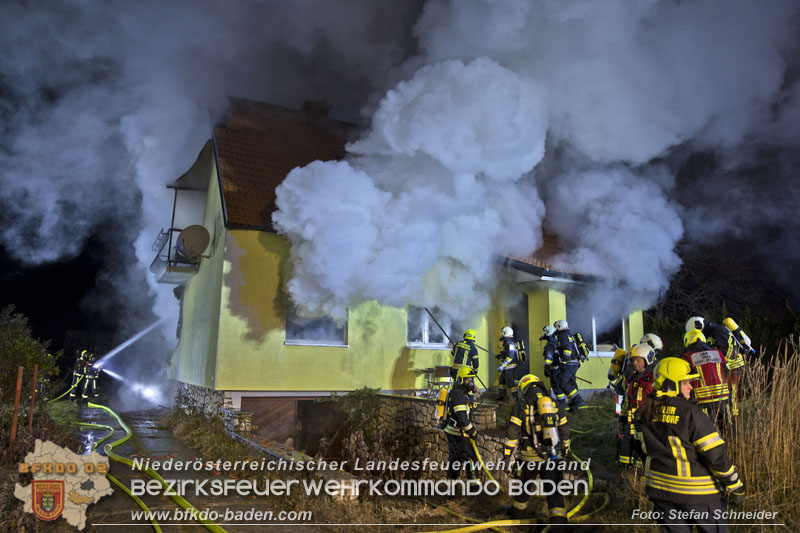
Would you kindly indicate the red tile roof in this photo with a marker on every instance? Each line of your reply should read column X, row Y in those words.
column 258, row 144
column 543, row 257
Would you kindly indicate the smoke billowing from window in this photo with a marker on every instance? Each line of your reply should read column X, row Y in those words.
column 487, row 122
column 453, row 170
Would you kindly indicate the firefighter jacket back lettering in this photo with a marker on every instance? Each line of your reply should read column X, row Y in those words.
column 709, row 362
column 686, row 457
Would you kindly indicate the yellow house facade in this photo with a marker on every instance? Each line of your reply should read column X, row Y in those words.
column 238, row 333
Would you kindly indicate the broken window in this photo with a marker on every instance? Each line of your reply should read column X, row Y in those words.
column 423, row 331
column 319, row 331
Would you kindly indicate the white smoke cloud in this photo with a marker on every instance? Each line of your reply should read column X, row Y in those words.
column 430, row 195
column 103, row 104
column 618, row 87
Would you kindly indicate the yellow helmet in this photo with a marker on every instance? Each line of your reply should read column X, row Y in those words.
column 692, row 336
column 668, row 373
column 526, row 381
column 469, row 335
column 464, row 373
column 645, row 352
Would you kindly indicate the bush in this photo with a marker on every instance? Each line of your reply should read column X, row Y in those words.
column 18, row 348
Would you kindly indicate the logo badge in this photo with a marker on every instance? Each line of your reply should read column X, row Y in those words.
column 48, row 499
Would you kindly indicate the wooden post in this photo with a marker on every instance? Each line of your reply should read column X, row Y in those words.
column 33, row 396
column 16, row 407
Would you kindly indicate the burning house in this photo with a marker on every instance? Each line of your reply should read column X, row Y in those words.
column 242, row 342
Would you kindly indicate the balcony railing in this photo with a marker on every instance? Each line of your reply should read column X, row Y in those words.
column 169, row 265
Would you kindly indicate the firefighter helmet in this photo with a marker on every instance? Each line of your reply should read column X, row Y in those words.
column 696, row 322
column 507, row 332
column 463, row 374
column 549, row 330
column 692, row 336
column 469, row 335
column 653, row 340
column 526, row 381
column 561, row 325
column 669, row 372
column 645, row 352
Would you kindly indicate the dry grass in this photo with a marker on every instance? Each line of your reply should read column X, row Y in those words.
column 766, row 448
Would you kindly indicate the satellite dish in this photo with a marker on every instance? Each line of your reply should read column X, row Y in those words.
column 192, row 242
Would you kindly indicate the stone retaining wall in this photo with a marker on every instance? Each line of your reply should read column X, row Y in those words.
column 409, row 421
column 197, row 399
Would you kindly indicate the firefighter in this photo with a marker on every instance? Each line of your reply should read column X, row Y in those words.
column 78, row 373
column 687, row 468
column 637, row 387
column 510, row 359
column 459, row 428
column 465, row 354
column 552, row 368
column 722, row 337
column 710, row 389
column 538, row 429
column 90, row 379
column 734, row 362
column 570, row 361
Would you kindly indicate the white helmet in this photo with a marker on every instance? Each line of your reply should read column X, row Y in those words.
column 507, row 332
column 645, row 352
column 653, row 340
column 549, row 330
column 696, row 322
column 561, row 325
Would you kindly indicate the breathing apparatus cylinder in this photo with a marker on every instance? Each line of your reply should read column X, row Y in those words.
column 549, row 418
column 583, row 350
column 441, row 407
column 740, row 336
column 616, row 364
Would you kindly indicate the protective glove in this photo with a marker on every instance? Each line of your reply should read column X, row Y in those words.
column 609, row 386
column 736, row 497
column 472, row 433
column 500, row 368
column 547, row 371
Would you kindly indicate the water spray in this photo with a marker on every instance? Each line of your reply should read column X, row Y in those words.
column 148, row 392
column 128, row 342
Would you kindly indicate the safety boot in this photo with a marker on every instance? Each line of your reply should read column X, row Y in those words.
column 576, row 403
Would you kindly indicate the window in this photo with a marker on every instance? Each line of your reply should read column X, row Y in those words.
column 319, row 331
column 423, row 332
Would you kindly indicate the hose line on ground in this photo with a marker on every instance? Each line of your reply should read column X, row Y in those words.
column 69, row 389
column 117, row 482
column 182, row 502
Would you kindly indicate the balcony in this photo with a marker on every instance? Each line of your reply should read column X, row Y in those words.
column 170, row 264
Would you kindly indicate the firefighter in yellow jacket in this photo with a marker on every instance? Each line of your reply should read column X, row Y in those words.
column 465, row 354
column 539, row 431
column 687, row 469
column 459, row 428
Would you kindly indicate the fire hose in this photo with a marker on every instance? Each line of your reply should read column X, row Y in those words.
column 109, row 449
column 69, row 389
column 571, row 514
column 115, row 481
